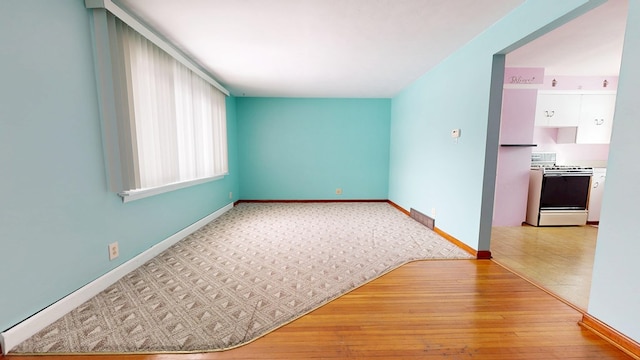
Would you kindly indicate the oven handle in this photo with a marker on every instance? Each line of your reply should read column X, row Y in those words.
column 562, row 208
column 568, row 174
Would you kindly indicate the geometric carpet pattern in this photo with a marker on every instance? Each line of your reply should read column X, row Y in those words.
column 254, row 269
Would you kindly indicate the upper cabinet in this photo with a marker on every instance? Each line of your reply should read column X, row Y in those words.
column 596, row 119
column 585, row 118
column 557, row 110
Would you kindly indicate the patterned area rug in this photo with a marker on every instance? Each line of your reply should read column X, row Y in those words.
column 254, row 269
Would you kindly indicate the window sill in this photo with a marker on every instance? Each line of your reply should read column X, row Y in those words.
column 131, row 195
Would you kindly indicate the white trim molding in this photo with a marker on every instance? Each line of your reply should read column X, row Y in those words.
column 29, row 327
column 131, row 195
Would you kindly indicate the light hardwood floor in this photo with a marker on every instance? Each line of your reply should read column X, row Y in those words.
column 453, row 309
column 560, row 259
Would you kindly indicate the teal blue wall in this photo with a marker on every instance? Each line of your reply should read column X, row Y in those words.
column 56, row 215
column 306, row 148
column 428, row 169
column 615, row 289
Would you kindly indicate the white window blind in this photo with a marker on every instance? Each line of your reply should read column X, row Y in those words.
column 167, row 127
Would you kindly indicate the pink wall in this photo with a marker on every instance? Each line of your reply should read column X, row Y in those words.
column 569, row 154
column 512, row 178
column 523, row 76
column 580, row 83
column 517, row 126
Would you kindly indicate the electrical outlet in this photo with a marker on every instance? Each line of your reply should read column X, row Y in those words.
column 114, row 252
column 433, row 212
column 230, row 195
column 338, row 191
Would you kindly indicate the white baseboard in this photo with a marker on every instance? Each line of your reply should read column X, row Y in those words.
column 29, row 327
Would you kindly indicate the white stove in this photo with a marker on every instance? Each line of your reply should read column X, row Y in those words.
column 558, row 194
column 546, row 162
column 563, row 169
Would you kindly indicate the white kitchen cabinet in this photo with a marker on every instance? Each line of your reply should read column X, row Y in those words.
column 557, row 110
column 596, row 119
column 595, row 195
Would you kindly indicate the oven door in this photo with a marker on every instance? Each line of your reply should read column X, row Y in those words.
column 565, row 191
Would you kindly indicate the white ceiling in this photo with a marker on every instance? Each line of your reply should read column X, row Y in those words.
column 346, row 48
column 588, row 45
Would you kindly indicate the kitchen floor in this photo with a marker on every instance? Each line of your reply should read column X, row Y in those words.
column 559, row 259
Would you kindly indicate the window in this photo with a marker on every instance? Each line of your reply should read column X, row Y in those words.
column 164, row 124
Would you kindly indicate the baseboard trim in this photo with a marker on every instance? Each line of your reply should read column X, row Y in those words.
column 29, row 327
column 480, row 255
column 312, row 201
column 402, row 210
column 460, row 244
column 621, row 341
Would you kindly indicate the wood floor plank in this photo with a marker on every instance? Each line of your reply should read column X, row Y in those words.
column 560, row 259
column 426, row 310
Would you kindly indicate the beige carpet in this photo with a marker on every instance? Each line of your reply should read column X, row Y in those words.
column 254, row 269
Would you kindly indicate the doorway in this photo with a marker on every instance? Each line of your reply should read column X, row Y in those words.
column 578, row 58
